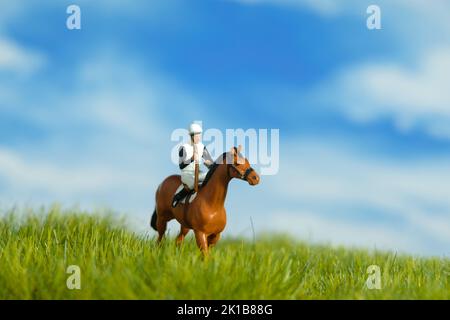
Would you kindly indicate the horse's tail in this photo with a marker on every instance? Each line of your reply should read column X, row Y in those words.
column 153, row 220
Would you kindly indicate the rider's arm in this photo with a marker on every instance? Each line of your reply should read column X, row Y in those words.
column 182, row 161
column 207, row 157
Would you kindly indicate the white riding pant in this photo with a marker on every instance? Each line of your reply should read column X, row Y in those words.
column 188, row 177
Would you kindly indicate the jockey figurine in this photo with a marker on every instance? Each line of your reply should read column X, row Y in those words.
column 189, row 153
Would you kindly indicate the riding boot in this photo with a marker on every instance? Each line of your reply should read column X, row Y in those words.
column 180, row 195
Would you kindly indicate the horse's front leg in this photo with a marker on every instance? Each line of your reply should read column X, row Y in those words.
column 202, row 243
column 182, row 234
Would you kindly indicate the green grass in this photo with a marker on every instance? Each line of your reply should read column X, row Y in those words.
column 115, row 263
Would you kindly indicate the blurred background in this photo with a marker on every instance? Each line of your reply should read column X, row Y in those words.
column 364, row 115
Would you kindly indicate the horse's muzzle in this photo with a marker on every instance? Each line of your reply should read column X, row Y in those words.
column 253, row 179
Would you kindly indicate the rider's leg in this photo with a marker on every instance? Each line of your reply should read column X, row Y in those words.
column 180, row 195
column 188, row 180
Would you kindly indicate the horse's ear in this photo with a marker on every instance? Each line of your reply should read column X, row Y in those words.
column 239, row 149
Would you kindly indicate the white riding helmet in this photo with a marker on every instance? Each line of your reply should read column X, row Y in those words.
column 195, row 128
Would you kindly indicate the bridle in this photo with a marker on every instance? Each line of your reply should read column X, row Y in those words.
column 242, row 175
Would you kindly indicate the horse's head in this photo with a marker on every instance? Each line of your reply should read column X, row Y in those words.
column 239, row 167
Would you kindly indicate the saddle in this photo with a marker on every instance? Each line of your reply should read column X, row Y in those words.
column 189, row 197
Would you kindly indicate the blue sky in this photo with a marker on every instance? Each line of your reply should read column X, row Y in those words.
column 364, row 116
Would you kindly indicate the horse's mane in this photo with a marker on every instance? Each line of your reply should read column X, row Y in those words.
column 213, row 167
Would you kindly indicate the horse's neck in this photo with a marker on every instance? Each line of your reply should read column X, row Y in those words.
column 216, row 191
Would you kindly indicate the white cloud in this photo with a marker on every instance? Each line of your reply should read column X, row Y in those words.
column 320, row 179
column 17, row 59
column 108, row 142
column 330, row 192
column 127, row 101
column 326, row 180
column 413, row 98
column 24, row 175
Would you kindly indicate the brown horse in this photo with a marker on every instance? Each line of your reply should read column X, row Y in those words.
column 206, row 214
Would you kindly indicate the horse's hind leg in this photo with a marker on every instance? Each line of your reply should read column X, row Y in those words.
column 182, row 234
column 213, row 238
column 161, row 225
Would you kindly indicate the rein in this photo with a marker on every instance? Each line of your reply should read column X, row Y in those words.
column 241, row 175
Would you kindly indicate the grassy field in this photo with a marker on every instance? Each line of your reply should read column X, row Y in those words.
column 115, row 263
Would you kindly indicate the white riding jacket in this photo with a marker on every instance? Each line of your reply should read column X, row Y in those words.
column 188, row 156
column 187, row 163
